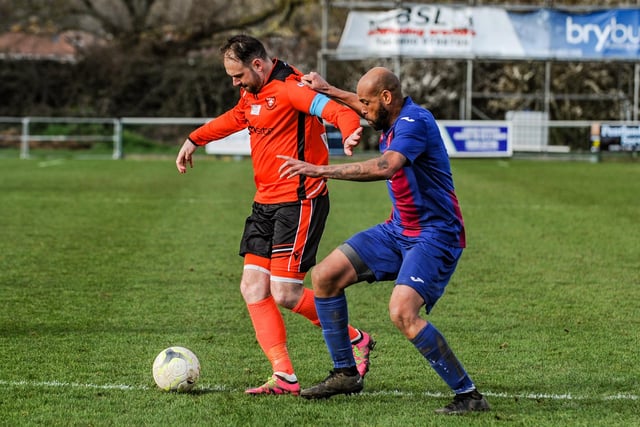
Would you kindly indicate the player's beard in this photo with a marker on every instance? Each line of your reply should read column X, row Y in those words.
column 382, row 119
column 255, row 85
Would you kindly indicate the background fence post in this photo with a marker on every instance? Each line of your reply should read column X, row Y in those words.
column 24, row 139
column 117, row 139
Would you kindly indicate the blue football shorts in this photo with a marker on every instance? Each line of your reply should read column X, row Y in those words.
column 380, row 254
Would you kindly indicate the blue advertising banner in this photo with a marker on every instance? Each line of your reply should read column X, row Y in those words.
column 618, row 138
column 597, row 35
column 476, row 138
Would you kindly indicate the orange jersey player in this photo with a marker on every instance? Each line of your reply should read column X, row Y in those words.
column 282, row 234
column 283, row 117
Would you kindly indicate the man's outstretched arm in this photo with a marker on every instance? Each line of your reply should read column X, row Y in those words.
column 316, row 82
column 380, row 168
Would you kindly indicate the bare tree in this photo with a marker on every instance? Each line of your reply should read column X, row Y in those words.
column 186, row 22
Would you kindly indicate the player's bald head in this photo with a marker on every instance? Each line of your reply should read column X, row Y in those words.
column 379, row 79
column 380, row 97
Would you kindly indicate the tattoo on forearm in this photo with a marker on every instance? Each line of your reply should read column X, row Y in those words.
column 354, row 170
column 365, row 171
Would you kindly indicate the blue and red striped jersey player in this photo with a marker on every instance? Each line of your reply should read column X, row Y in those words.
column 418, row 246
column 282, row 234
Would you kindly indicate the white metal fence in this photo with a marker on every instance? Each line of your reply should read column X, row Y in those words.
column 28, row 134
column 535, row 136
column 104, row 130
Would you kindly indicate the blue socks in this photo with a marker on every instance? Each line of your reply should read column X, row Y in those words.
column 432, row 345
column 334, row 319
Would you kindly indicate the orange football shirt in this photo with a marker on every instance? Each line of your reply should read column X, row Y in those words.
column 280, row 121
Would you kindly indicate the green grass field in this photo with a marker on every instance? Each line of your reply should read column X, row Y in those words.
column 105, row 263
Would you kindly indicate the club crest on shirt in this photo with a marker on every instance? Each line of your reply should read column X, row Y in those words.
column 271, row 102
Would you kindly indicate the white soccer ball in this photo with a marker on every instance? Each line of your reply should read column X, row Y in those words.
column 176, row 369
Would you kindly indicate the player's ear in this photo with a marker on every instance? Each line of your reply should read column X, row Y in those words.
column 257, row 64
column 386, row 97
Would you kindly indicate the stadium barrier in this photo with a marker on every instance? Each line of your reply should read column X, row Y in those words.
column 30, row 132
column 523, row 132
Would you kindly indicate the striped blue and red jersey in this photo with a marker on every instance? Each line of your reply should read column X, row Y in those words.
column 424, row 202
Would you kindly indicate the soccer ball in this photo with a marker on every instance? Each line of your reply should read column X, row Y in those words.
column 176, row 369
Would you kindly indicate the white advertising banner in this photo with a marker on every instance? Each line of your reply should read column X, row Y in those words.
column 428, row 31
column 423, row 30
column 237, row 144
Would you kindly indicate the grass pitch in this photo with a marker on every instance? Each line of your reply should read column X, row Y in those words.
column 105, row 263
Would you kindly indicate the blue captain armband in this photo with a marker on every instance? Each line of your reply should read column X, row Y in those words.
column 318, row 104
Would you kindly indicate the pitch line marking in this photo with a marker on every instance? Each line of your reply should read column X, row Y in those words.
column 70, row 384
column 221, row 388
column 49, row 163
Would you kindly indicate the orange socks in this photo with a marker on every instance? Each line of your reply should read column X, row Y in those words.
column 306, row 307
column 271, row 333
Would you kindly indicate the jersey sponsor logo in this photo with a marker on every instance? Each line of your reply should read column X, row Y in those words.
column 255, row 110
column 408, row 119
column 271, row 102
column 259, row 131
column 416, row 279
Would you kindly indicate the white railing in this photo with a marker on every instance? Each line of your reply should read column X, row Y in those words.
column 30, row 127
column 26, row 135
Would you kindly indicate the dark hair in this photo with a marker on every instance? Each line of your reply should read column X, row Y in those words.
column 244, row 49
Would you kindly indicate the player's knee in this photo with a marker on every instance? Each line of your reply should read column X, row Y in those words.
column 251, row 291
column 320, row 276
column 325, row 280
column 401, row 318
column 284, row 300
column 395, row 317
column 254, row 285
column 287, row 294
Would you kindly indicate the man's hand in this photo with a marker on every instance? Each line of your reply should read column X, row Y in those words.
column 351, row 141
column 316, row 82
column 185, row 156
column 294, row 167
